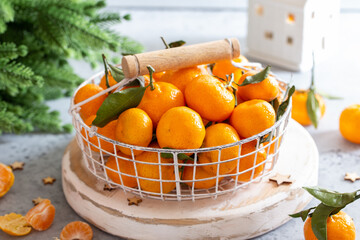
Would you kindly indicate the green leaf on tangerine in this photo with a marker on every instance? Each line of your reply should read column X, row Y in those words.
column 275, row 103
column 313, row 108
column 319, row 220
column 303, row 214
column 117, row 103
column 177, row 44
column 332, row 198
column 116, row 73
column 283, row 106
column 257, row 78
column 181, row 156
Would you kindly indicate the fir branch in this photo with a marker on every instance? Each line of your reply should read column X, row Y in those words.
column 6, row 14
column 105, row 19
column 11, row 51
column 15, row 76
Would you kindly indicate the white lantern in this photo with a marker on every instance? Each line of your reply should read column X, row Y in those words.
column 287, row 32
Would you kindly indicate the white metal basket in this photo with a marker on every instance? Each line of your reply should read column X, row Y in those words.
column 183, row 189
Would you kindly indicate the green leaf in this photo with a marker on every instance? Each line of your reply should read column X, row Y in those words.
column 303, row 214
column 332, row 198
column 117, row 103
column 328, row 96
column 319, row 220
column 181, row 156
column 284, row 105
column 177, row 44
column 116, row 72
column 257, row 78
column 275, row 103
column 313, row 108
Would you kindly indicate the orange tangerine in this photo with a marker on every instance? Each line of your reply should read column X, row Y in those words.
column 93, row 106
column 41, row 216
column 76, row 230
column 125, row 166
column 6, row 179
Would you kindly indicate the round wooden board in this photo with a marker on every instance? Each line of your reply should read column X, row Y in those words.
column 249, row 212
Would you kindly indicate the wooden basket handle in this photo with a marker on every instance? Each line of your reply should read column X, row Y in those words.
column 180, row 57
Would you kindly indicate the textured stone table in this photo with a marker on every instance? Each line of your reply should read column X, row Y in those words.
column 42, row 153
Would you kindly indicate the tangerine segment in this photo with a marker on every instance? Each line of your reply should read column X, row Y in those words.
column 125, row 166
column 76, row 230
column 252, row 117
column 217, row 135
column 200, row 174
column 299, row 110
column 86, row 92
column 6, row 179
column 266, row 90
column 210, row 98
column 108, row 131
column 157, row 101
column 134, row 126
column 14, row 224
column 180, row 128
column 340, row 226
column 182, row 77
column 152, row 171
column 41, row 216
column 350, row 123
column 248, row 162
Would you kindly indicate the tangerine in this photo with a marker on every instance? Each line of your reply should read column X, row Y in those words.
column 107, row 131
column 248, row 162
column 14, row 224
column 339, row 226
column 252, row 117
column 267, row 90
column 182, row 77
column 41, row 216
column 299, row 109
column 123, row 166
column 6, row 179
column 200, row 174
column 151, row 171
column 134, row 126
column 76, row 230
column 349, row 123
column 180, row 128
column 210, row 98
column 216, row 135
column 224, row 67
column 93, row 106
column 157, row 101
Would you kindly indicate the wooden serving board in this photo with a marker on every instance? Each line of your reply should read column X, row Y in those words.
column 249, row 212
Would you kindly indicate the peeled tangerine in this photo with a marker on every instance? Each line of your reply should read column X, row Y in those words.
column 41, row 216
column 6, row 179
column 14, row 224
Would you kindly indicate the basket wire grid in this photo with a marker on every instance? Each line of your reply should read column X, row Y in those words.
column 256, row 167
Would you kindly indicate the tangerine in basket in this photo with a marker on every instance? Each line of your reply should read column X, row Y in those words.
column 125, row 166
column 156, row 101
column 76, row 230
column 112, row 81
column 182, row 77
column 339, row 226
column 107, row 131
column 134, row 127
column 266, row 90
column 252, row 117
column 93, row 106
column 152, row 171
column 248, row 162
column 350, row 123
column 217, row 135
column 14, row 224
column 200, row 174
column 41, row 216
column 209, row 97
column 180, row 128
column 6, row 179
column 299, row 109
column 224, row 67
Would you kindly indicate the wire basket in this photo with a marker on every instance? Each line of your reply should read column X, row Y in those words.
column 171, row 183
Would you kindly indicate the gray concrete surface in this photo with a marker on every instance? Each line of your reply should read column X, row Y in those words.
column 42, row 153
